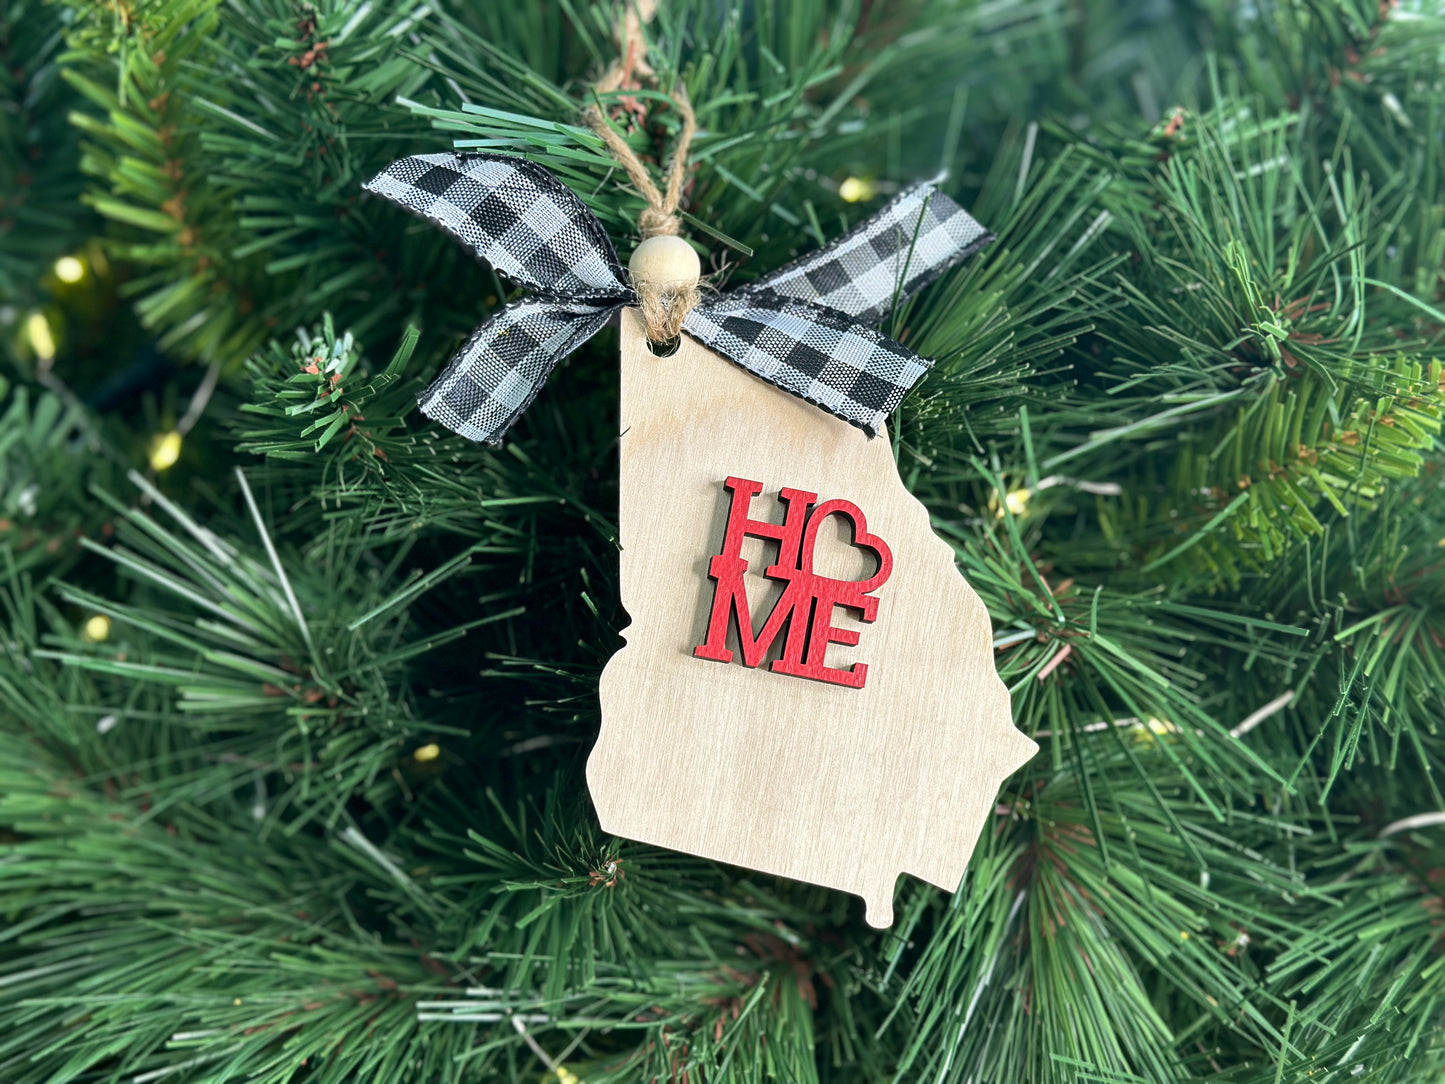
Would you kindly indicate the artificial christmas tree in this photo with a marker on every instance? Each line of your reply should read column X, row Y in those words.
column 297, row 688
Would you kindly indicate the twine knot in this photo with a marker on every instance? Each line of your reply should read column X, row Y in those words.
column 657, row 222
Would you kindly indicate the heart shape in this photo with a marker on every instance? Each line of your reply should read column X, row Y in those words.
column 861, row 538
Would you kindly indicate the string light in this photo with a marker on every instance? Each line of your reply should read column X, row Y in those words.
column 165, row 451
column 856, row 190
column 1015, row 502
column 42, row 339
column 96, row 629
column 69, row 269
column 427, row 752
column 1154, row 729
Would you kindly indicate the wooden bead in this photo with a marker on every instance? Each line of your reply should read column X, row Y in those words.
column 665, row 262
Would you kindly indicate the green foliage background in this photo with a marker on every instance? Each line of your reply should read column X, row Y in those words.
column 308, row 804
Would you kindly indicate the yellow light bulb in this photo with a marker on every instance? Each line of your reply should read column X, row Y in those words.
column 1018, row 501
column 69, row 269
column 856, row 190
column 1154, row 729
column 42, row 339
column 96, row 629
column 427, row 752
column 165, row 451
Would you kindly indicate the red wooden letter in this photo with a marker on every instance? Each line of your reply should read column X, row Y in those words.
column 730, row 597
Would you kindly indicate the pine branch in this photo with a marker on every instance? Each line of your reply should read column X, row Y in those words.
column 39, row 151
column 1250, row 339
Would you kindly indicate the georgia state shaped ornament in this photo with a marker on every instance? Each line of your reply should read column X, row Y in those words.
column 808, row 686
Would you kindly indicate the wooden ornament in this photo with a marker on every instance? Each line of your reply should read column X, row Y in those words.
column 855, row 729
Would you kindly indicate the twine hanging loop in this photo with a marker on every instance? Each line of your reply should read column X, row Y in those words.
column 665, row 279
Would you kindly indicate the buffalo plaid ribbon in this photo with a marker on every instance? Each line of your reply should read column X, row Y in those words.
column 805, row 328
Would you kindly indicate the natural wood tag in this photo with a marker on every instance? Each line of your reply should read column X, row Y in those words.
column 859, row 729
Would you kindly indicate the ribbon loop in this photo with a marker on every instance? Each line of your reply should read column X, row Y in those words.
column 916, row 237
column 515, row 215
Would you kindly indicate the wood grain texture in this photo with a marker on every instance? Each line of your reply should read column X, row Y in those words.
column 836, row 786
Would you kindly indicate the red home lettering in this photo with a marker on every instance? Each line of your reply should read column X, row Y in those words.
column 809, row 601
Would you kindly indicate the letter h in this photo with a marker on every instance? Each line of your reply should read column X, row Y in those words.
column 727, row 568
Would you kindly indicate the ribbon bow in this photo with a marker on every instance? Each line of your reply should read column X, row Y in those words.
column 804, row 328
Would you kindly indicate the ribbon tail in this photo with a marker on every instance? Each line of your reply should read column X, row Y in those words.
column 885, row 260
column 515, row 215
column 816, row 353
column 501, row 368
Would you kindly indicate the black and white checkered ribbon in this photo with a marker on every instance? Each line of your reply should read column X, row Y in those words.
column 805, row 328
